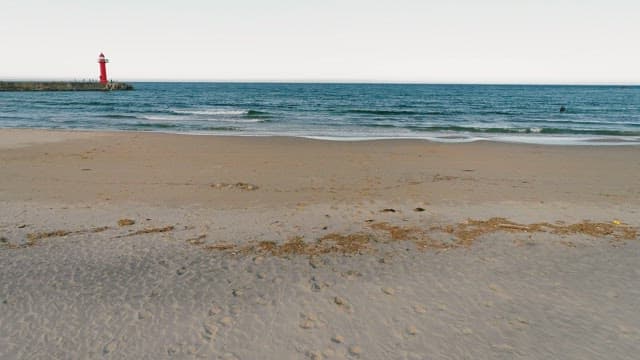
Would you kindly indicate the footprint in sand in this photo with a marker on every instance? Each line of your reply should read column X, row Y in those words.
column 214, row 310
column 310, row 321
column 340, row 301
column 235, row 310
column 412, row 330
column 355, row 350
column 210, row 330
column 110, row 347
column 317, row 284
column 226, row 321
column 329, row 353
column 419, row 309
column 306, row 324
column 499, row 291
column 338, row 339
column 144, row 314
column 388, row 290
column 261, row 300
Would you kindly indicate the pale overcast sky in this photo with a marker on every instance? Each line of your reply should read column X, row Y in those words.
column 470, row 41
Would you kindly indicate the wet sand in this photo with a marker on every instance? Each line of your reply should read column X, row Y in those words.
column 282, row 248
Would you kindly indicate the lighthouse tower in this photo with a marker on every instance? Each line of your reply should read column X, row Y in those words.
column 103, row 68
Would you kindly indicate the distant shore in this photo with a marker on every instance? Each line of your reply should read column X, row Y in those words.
column 62, row 86
column 130, row 244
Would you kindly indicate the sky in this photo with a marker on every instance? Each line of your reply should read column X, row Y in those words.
column 463, row 41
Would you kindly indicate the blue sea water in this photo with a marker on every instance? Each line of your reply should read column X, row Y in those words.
column 451, row 113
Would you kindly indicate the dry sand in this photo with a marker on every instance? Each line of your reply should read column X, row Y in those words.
column 153, row 246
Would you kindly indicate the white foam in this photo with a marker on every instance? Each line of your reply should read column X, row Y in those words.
column 160, row 118
column 212, row 112
column 231, row 120
column 177, row 118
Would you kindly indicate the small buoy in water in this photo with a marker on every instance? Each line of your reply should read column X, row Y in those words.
column 563, row 109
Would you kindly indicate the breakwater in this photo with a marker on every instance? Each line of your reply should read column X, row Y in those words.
column 61, row 86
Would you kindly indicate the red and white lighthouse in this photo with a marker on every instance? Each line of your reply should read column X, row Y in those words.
column 103, row 68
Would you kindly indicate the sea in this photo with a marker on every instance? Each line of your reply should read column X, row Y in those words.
column 562, row 115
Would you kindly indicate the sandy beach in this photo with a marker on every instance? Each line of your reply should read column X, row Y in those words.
column 152, row 246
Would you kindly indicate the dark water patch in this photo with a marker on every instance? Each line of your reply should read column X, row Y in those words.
column 67, row 121
column 65, row 102
column 381, row 112
column 116, row 116
column 133, row 109
column 255, row 114
column 147, row 125
column 409, row 113
column 220, row 128
column 385, row 126
column 443, row 113
column 12, row 117
column 498, row 112
column 445, row 128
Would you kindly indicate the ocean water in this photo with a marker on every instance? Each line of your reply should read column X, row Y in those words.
column 593, row 115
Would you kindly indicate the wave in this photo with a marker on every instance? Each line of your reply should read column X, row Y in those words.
column 221, row 128
column 590, row 132
column 257, row 113
column 590, row 122
column 232, row 112
column 385, row 126
column 2, row 116
column 225, row 114
column 240, row 120
column 158, row 118
column 401, row 112
column 66, row 102
column 210, row 112
column 178, row 119
column 146, row 125
column 498, row 112
column 381, row 112
column 526, row 130
column 117, row 116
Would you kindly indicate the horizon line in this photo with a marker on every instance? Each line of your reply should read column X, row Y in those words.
column 330, row 81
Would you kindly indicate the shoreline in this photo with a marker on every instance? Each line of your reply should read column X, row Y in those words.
column 560, row 141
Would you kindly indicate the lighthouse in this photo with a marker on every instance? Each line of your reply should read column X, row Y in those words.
column 103, row 68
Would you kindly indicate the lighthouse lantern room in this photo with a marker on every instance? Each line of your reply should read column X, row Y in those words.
column 103, row 68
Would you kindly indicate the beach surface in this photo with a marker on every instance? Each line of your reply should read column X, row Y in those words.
column 146, row 245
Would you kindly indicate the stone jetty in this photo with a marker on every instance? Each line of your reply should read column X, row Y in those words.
column 62, row 86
